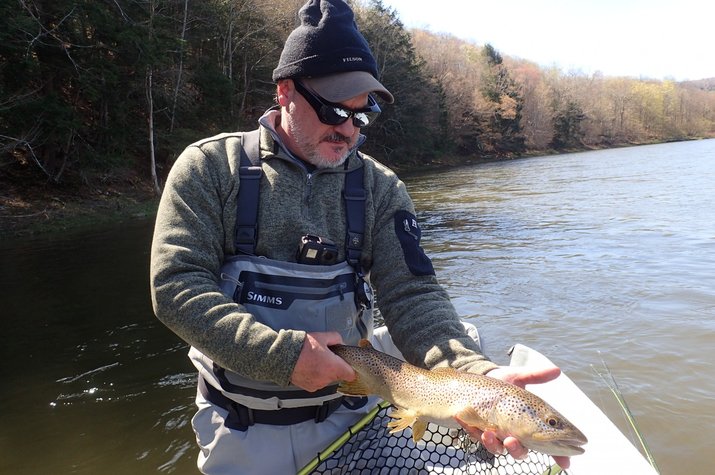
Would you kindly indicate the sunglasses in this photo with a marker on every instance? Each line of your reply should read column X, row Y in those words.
column 330, row 113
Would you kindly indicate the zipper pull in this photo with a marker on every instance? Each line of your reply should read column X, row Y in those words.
column 230, row 278
column 309, row 183
column 239, row 286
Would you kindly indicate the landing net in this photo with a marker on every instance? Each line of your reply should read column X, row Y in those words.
column 368, row 448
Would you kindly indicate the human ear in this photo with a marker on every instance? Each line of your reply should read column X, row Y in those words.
column 284, row 92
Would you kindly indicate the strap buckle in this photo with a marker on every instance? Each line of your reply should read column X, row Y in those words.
column 245, row 234
column 328, row 407
column 250, row 173
column 239, row 417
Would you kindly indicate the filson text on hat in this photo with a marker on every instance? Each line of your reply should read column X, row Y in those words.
column 351, row 59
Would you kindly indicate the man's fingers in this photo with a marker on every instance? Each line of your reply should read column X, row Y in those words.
column 515, row 448
column 327, row 338
column 492, row 443
column 473, row 433
column 317, row 366
column 538, row 376
column 344, row 372
column 563, row 462
column 521, row 376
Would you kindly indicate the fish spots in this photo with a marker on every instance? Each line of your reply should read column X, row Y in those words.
column 442, row 394
column 453, row 385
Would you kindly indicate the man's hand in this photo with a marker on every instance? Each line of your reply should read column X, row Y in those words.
column 317, row 366
column 519, row 377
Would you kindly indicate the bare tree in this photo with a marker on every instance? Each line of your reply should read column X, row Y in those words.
column 181, row 65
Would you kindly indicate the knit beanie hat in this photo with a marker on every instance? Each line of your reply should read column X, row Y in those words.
column 328, row 48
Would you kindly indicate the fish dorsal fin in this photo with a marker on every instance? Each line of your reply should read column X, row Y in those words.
column 365, row 343
column 355, row 387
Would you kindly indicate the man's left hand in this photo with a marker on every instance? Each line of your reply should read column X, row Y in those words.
column 519, row 377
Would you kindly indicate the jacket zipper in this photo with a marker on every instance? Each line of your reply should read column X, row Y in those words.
column 309, row 184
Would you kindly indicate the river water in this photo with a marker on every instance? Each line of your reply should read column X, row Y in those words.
column 589, row 257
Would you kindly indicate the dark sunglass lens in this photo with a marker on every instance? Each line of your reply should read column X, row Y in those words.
column 335, row 115
column 331, row 114
column 361, row 119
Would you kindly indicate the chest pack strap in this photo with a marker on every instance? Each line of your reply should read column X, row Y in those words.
column 250, row 173
column 241, row 417
column 354, row 197
column 249, row 193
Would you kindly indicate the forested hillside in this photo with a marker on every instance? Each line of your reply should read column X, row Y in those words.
column 94, row 89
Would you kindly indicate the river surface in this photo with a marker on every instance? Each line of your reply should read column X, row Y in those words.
column 589, row 257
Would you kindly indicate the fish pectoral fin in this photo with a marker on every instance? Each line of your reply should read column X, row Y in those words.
column 401, row 420
column 356, row 387
column 471, row 417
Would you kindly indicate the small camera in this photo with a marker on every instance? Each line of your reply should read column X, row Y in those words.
column 317, row 251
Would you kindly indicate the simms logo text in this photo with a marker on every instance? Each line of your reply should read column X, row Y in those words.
column 254, row 297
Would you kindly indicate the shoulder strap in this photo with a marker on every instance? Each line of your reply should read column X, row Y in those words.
column 250, row 173
column 354, row 197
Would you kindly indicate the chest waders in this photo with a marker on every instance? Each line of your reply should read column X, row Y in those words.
column 286, row 295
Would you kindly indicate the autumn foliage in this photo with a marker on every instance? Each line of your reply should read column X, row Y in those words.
column 90, row 88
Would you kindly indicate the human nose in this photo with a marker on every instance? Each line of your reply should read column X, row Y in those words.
column 347, row 128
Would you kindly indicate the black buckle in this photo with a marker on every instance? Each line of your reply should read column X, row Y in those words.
column 250, row 173
column 239, row 417
column 363, row 292
column 322, row 412
column 355, row 402
column 245, row 234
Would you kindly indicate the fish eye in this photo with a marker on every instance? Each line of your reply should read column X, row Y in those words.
column 552, row 421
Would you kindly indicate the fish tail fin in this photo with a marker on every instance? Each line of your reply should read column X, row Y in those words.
column 356, row 387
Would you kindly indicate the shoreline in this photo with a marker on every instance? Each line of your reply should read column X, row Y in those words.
column 40, row 208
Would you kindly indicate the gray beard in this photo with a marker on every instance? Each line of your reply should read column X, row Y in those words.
column 321, row 162
column 312, row 155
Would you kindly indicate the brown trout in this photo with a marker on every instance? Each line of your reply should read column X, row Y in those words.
column 421, row 396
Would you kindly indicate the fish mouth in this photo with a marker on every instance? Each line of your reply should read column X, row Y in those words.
column 568, row 448
column 562, row 446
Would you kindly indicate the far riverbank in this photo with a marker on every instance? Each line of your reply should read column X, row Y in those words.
column 31, row 206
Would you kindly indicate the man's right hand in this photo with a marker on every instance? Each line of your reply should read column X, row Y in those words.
column 317, row 366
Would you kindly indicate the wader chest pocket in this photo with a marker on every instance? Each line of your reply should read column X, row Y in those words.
column 290, row 302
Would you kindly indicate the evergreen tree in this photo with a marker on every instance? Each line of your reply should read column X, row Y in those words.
column 568, row 132
column 87, row 88
column 504, row 133
column 411, row 128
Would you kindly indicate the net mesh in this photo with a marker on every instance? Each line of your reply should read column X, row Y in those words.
column 368, row 448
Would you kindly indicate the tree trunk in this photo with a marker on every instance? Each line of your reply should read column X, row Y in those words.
column 150, row 120
column 181, row 66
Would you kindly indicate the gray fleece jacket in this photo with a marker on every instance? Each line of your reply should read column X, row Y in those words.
column 195, row 231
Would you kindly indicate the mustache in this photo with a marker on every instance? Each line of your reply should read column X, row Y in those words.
column 337, row 137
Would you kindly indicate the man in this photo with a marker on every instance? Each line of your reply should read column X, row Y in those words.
column 266, row 249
